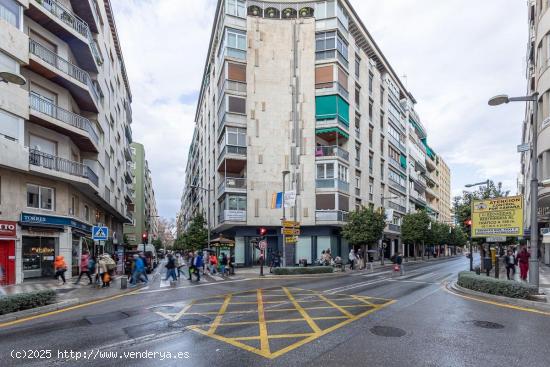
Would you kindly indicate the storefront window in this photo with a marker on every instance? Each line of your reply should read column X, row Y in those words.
column 38, row 256
column 303, row 249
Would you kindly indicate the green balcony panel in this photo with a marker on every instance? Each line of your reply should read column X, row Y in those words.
column 332, row 107
column 403, row 161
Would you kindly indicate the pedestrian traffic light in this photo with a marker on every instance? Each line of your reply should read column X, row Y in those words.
column 144, row 237
column 262, row 231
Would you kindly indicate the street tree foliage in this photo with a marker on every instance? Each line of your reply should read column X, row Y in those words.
column 196, row 236
column 166, row 231
column 414, row 229
column 365, row 227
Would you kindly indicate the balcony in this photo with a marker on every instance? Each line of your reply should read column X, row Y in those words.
column 418, row 198
column 127, row 153
column 330, row 89
column 63, row 166
column 233, row 87
column 234, row 158
column 127, row 177
column 69, row 27
column 395, row 164
column 78, row 128
column 331, row 216
column 397, row 186
column 332, row 183
column 87, row 12
column 396, row 143
column 400, row 208
column 232, row 185
column 77, row 81
column 232, row 216
column 394, row 227
column 332, row 151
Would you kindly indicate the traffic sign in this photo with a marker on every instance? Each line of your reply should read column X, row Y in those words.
column 290, row 232
column 291, row 239
column 100, row 233
column 496, row 239
column 524, row 147
column 262, row 245
column 290, row 224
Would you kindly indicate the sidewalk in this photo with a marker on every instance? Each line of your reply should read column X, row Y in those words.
column 544, row 274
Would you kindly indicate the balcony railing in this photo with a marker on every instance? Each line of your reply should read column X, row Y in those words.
column 232, row 183
column 232, row 149
column 394, row 227
column 331, row 216
column 232, row 86
column 331, row 151
column 332, row 87
column 331, row 123
column 46, row 107
column 332, row 183
column 63, row 65
column 398, row 207
column 417, row 196
column 397, row 186
column 38, row 158
column 397, row 165
column 73, row 21
column 397, row 143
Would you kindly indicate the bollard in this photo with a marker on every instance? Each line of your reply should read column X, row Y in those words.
column 123, row 283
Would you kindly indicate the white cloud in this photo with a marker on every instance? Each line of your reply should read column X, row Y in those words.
column 164, row 45
column 456, row 54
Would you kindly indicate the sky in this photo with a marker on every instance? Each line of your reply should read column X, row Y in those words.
column 453, row 55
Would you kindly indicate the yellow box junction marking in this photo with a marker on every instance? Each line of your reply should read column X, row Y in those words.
column 312, row 313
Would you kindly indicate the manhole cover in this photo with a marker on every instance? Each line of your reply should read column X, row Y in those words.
column 388, row 331
column 487, row 324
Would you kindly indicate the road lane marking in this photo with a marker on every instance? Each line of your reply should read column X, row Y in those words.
column 302, row 312
column 339, row 308
column 221, row 312
column 264, row 341
column 494, row 303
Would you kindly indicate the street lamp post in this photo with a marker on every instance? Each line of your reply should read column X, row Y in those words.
column 285, row 172
column 208, row 191
column 470, row 221
column 533, row 260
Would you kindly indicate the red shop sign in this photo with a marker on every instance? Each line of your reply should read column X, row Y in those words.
column 8, row 229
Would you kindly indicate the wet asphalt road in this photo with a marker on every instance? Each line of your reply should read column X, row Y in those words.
column 420, row 324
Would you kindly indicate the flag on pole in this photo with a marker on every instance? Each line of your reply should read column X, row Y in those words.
column 277, row 200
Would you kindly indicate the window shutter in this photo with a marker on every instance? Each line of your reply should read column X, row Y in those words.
column 237, row 72
column 324, row 74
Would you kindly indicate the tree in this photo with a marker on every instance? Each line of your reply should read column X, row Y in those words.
column 365, row 227
column 196, row 236
column 167, row 231
column 158, row 244
column 415, row 229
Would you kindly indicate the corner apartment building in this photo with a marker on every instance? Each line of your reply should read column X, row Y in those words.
column 145, row 215
column 64, row 134
column 301, row 86
column 538, row 81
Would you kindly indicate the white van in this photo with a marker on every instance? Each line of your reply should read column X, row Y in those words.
column 150, row 252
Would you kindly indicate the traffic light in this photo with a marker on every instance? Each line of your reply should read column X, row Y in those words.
column 262, row 231
column 144, row 237
column 468, row 222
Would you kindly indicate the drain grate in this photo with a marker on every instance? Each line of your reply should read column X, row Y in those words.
column 487, row 324
column 388, row 331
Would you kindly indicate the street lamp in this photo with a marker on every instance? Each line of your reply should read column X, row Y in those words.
column 208, row 191
column 533, row 260
column 284, row 173
column 7, row 77
column 470, row 223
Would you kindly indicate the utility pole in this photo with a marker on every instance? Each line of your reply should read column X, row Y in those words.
column 285, row 172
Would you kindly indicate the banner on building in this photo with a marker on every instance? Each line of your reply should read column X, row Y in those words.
column 277, row 199
column 498, row 217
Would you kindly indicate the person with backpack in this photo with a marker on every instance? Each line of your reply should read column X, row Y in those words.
column 84, row 267
column 171, row 268
column 60, row 268
column 198, row 265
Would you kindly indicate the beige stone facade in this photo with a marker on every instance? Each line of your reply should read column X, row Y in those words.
column 65, row 133
column 299, row 87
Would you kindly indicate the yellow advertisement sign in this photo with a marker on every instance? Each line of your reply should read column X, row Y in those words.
column 498, row 217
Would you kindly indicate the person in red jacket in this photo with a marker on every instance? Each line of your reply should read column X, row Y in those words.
column 523, row 259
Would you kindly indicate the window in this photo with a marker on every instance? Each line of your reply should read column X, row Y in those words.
column 342, row 16
column 371, row 132
column 371, row 80
column 236, row 203
column 381, row 96
column 325, row 9
column 342, row 173
column 382, row 170
column 40, row 197
column 236, row 8
column 326, row 44
column 357, row 123
column 357, row 154
column 371, row 164
column 325, row 171
column 370, row 109
column 236, row 105
column 357, row 66
column 74, row 205
column 381, row 121
column 236, row 39
column 10, row 11
column 357, row 96
column 8, row 63
column 236, row 136
column 325, row 201
column 396, row 177
column 236, row 72
column 371, row 189
column 10, row 125
column 393, row 154
column 382, row 144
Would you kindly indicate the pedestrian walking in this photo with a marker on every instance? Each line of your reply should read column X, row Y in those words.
column 84, row 267
column 523, row 260
column 179, row 264
column 198, row 265
column 60, row 268
column 171, row 268
column 213, row 265
column 359, row 255
column 190, row 263
column 231, row 265
column 223, row 263
column 399, row 262
column 139, row 271
column 510, row 261
column 352, row 259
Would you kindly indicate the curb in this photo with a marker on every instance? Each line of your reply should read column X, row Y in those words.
column 14, row 316
column 455, row 288
column 38, row 310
